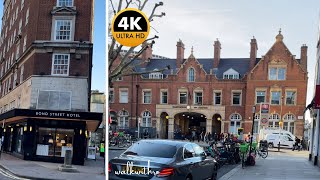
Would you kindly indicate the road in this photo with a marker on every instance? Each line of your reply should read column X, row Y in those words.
column 222, row 171
column 5, row 175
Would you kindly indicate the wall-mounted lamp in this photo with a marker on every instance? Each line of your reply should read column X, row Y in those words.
column 80, row 131
column 30, row 128
column 11, row 129
column 4, row 130
column 25, row 128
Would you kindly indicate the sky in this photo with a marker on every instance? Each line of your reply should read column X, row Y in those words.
column 99, row 45
column 234, row 23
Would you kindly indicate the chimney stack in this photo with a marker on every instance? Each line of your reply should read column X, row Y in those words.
column 304, row 57
column 253, row 52
column 217, row 51
column 147, row 53
column 180, row 53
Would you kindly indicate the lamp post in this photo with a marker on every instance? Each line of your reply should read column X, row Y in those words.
column 253, row 113
column 280, row 123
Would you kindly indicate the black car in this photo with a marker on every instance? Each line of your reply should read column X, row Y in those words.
column 163, row 159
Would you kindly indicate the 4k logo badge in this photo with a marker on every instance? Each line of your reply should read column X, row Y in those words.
column 130, row 27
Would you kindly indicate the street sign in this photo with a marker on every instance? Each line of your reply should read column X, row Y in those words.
column 264, row 119
column 264, row 108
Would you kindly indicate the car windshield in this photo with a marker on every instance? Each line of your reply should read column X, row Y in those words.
column 152, row 149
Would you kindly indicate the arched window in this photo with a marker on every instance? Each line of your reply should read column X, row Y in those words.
column 234, row 123
column 256, row 123
column 274, row 120
column 288, row 122
column 124, row 119
column 146, row 119
column 191, row 75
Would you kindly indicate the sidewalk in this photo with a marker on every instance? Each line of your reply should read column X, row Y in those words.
column 286, row 164
column 44, row 170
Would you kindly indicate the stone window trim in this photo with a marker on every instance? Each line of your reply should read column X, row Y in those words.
column 161, row 91
column 277, row 71
column 53, row 29
column 68, row 65
column 281, row 97
column 214, row 97
column 194, row 96
column 122, row 90
column 295, row 98
column 188, row 74
column 146, row 90
column 265, row 95
column 235, row 117
column 240, row 100
column 183, row 91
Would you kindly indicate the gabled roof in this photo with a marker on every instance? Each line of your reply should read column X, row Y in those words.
column 64, row 11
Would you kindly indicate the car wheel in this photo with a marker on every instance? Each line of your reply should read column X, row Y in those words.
column 270, row 145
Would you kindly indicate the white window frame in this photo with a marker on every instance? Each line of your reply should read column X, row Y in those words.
column 21, row 73
column 22, row 4
column 214, row 97
column 111, row 100
column 271, row 96
column 20, row 26
column 123, row 119
column 195, row 98
column 274, row 118
column 236, row 119
column 27, row 16
column 146, row 119
column 55, row 29
column 295, row 97
column 143, row 96
column 15, row 76
column 58, row 5
column 120, row 95
column 179, row 92
column 265, row 96
column 161, row 96
column 277, row 73
column 256, row 125
column 240, row 100
column 189, row 75
column 24, row 44
column 52, row 66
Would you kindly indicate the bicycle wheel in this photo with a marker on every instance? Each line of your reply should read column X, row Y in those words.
column 264, row 154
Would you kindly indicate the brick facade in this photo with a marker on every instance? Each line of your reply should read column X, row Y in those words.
column 208, row 80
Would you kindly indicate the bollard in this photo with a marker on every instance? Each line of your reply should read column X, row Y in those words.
column 68, row 158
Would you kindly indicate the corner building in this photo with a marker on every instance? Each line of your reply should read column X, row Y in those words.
column 214, row 94
column 45, row 74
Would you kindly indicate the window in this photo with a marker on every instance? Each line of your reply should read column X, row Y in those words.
column 18, row 51
column 198, row 98
column 27, row 16
column 147, row 97
column 275, row 97
column 236, row 98
column 24, row 43
column 123, row 96
column 20, row 26
column 54, row 100
column 67, row 3
column 274, row 120
column 111, row 96
column 124, row 119
column 183, row 98
column 15, row 79
column 21, row 73
column 63, row 30
column 234, row 123
column 260, row 97
column 231, row 76
column 60, row 64
column 156, row 75
column 164, row 97
column 191, row 75
column 290, row 97
column 146, row 119
column 288, row 123
column 188, row 151
column 217, row 98
column 277, row 73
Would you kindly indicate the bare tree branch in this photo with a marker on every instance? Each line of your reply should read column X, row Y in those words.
column 139, row 6
column 144, row 3
column 119, row 7
column 154, row 9
column 128, row 3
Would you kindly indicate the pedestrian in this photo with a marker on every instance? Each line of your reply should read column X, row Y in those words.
column 209, row 136
column 201, row 136
column 193, row 135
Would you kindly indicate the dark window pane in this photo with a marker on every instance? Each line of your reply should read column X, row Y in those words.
column 151, row 149
column 188, row 151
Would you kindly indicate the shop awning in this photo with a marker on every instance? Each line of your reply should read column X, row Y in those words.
column 92, row 119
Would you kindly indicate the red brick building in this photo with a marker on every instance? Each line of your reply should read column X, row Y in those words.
column 214, row 94
column 45, row 75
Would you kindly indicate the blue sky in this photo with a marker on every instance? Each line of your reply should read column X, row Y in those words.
column 99, row 45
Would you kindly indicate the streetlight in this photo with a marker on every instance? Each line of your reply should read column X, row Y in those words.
column 280, row 123
column 253, row 113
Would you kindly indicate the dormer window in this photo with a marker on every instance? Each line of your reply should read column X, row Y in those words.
column 156, row 75
column 191, row 75
column 67, row 3
column 231, row 74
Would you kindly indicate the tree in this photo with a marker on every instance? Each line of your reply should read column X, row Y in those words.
column 125, row 66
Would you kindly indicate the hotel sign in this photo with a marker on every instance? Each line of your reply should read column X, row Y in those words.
column 57, row 114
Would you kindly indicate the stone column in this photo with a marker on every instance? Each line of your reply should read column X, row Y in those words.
column 170, row 128
column 159, row 127
column 209, row 125
column 222, row 126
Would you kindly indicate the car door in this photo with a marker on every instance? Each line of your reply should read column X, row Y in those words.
column 191, row 161
column 205, row 165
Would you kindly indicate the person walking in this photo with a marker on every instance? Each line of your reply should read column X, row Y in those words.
column 201, row 136
column 209, row 136
column 193, row 136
